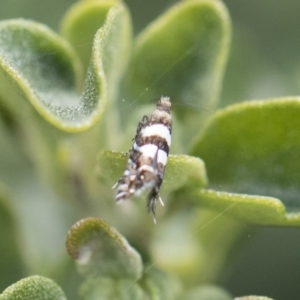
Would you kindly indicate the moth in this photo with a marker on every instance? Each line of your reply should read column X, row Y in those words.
column 148, row 157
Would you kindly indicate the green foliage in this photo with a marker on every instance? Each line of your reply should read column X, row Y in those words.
column 33, row 287
column 208, row 293
column 59, row 103
column 11, row 255
column 24, row 43
column 253, row 298
column 262, row 161
column 186, row 64
column 101, row 251
column 51, row 86
column 194, row 59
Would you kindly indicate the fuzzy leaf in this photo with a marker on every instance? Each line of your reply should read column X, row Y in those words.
column 208, row 292
column 12, row 266
column 253, row 298
column 82, row 22
column 47, row 72
column 159, row 285
column 42, row 66
column 252, row 154
column 182, row 55
column 100, row 250
column 181, row 170
column 110, row 289
column 34, row 287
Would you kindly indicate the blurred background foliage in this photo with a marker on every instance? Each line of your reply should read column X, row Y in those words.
column 264, row 62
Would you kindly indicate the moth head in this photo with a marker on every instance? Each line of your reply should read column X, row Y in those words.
column 164, row 103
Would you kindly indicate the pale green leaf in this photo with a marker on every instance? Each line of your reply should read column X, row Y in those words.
column 182, row 54
column 111, row 289
column 100, row 250
column 33, row 287
column 47, row 72
column 80, row 25
column 253, row 298
column 207, row 292
column 252, row 154
column 12, row 266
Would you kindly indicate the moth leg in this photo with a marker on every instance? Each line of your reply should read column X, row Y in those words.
column 118, row 182
column 153, row 197
column 125, row 154
column 152, row 204
column 160, row 201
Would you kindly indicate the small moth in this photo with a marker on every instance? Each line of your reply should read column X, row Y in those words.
column 148, row 156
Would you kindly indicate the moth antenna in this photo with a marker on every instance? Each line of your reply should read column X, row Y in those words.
column 194, row 106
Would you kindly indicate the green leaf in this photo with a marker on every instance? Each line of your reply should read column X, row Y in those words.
column 100, row 250
column 181, row 170
column 251, row 208
column 159, row 285
column 253, row 298
column 34, row 287
column 12, row 265
column 208, row 292
column 252, row 154
column 47, row 72
column 82, row 22
column 182, row 55
column 110, row 289
column 43, row 67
